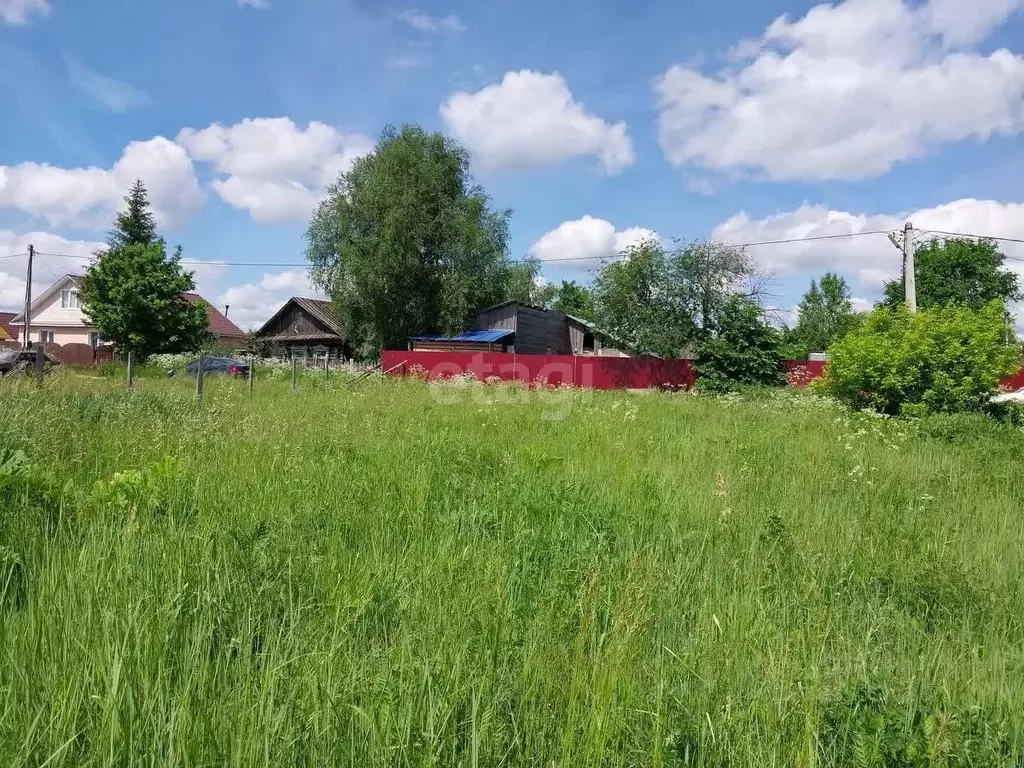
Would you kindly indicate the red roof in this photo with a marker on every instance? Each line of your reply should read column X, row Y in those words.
column 5, row 323
column 216, row 322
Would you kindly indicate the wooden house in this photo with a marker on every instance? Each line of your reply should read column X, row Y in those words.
column 306, row 328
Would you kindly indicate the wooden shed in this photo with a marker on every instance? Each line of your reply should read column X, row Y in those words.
column 305, row 328
column 537, row 331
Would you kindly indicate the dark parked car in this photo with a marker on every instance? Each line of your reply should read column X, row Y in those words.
column 19, row 361
column 219, row 365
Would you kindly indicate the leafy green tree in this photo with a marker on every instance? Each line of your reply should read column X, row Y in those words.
column 958, row 271
column 743, row 349
column 662, row 301
column 133, row 293
column 634, row 302
column 826, row 316
column 942, row 360
column 406, row 243
column 573, row 299
column 704, row 275
column 522, row 282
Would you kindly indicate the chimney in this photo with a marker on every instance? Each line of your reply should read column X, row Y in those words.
column 226, row 308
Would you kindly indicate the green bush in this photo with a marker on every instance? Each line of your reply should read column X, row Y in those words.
column 941, row 360
column 744, row 350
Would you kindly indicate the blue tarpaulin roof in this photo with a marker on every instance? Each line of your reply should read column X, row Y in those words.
column 477, row 336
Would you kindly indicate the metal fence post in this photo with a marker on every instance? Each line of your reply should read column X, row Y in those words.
column 295, row 373
column 199, row 379
column 40, row 363
column 252, row 371
column 131, row 370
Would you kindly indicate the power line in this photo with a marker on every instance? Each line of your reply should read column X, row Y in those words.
column 977, row 237
column 14, row 256
column 190, row 262
column 46, row 266
column 809, row 239
column 812, row 238
column 753, row 244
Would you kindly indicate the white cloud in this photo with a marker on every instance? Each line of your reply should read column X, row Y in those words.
column 271, row 167
column 425, row 23
column 47, row 268
column 115, row 95
column 57, row 256
column 531, row 119
column 584, row 242
column 252, row 304
column 18, row 12
column 89, row 197
column 846, row 91
column 872, row 259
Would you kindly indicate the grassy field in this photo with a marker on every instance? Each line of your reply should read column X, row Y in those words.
column 403, row 575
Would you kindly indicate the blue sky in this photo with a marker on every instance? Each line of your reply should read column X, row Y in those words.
column 599, row 123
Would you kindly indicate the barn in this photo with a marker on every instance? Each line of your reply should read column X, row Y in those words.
column 525, row 329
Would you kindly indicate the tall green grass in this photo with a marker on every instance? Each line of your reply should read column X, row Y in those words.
column 379, row 576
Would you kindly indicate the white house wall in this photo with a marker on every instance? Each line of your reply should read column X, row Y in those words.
column 53, row 314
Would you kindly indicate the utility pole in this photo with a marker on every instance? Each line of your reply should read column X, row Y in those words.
column 28, row 296
column 909, row 268
column 910, row 280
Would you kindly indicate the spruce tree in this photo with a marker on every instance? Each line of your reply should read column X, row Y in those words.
column 133, row 293
column 135, row 225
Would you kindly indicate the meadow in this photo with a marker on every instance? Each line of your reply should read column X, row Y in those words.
column 397, row 574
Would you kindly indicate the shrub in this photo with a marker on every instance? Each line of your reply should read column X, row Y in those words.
column 744, row 350
column 941, row 360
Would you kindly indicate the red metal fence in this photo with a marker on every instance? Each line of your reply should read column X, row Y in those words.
column 550, row 370
column 585, row 372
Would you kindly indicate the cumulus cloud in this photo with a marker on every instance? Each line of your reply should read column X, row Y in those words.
column 17, row 12
column 47, row 268
column 252, row 304
column 531, row 119
column 584, row 242
column 272, row 167
column 846, row 91
column 423, row 22
column 89, row 197
column 871, row 259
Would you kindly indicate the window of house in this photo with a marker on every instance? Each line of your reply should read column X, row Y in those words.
column 588, row 342
column 94, row 339
column 46, row 337
column 69, row 299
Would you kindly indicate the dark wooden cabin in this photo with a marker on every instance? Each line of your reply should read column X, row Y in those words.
column 537, row 331
column 305, row 328
column 541, row 331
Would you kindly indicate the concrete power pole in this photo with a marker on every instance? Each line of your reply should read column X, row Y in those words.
column 910, row 280
column 909, row 268
column 28, row 297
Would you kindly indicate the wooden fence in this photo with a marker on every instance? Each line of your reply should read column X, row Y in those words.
column 70, row 354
